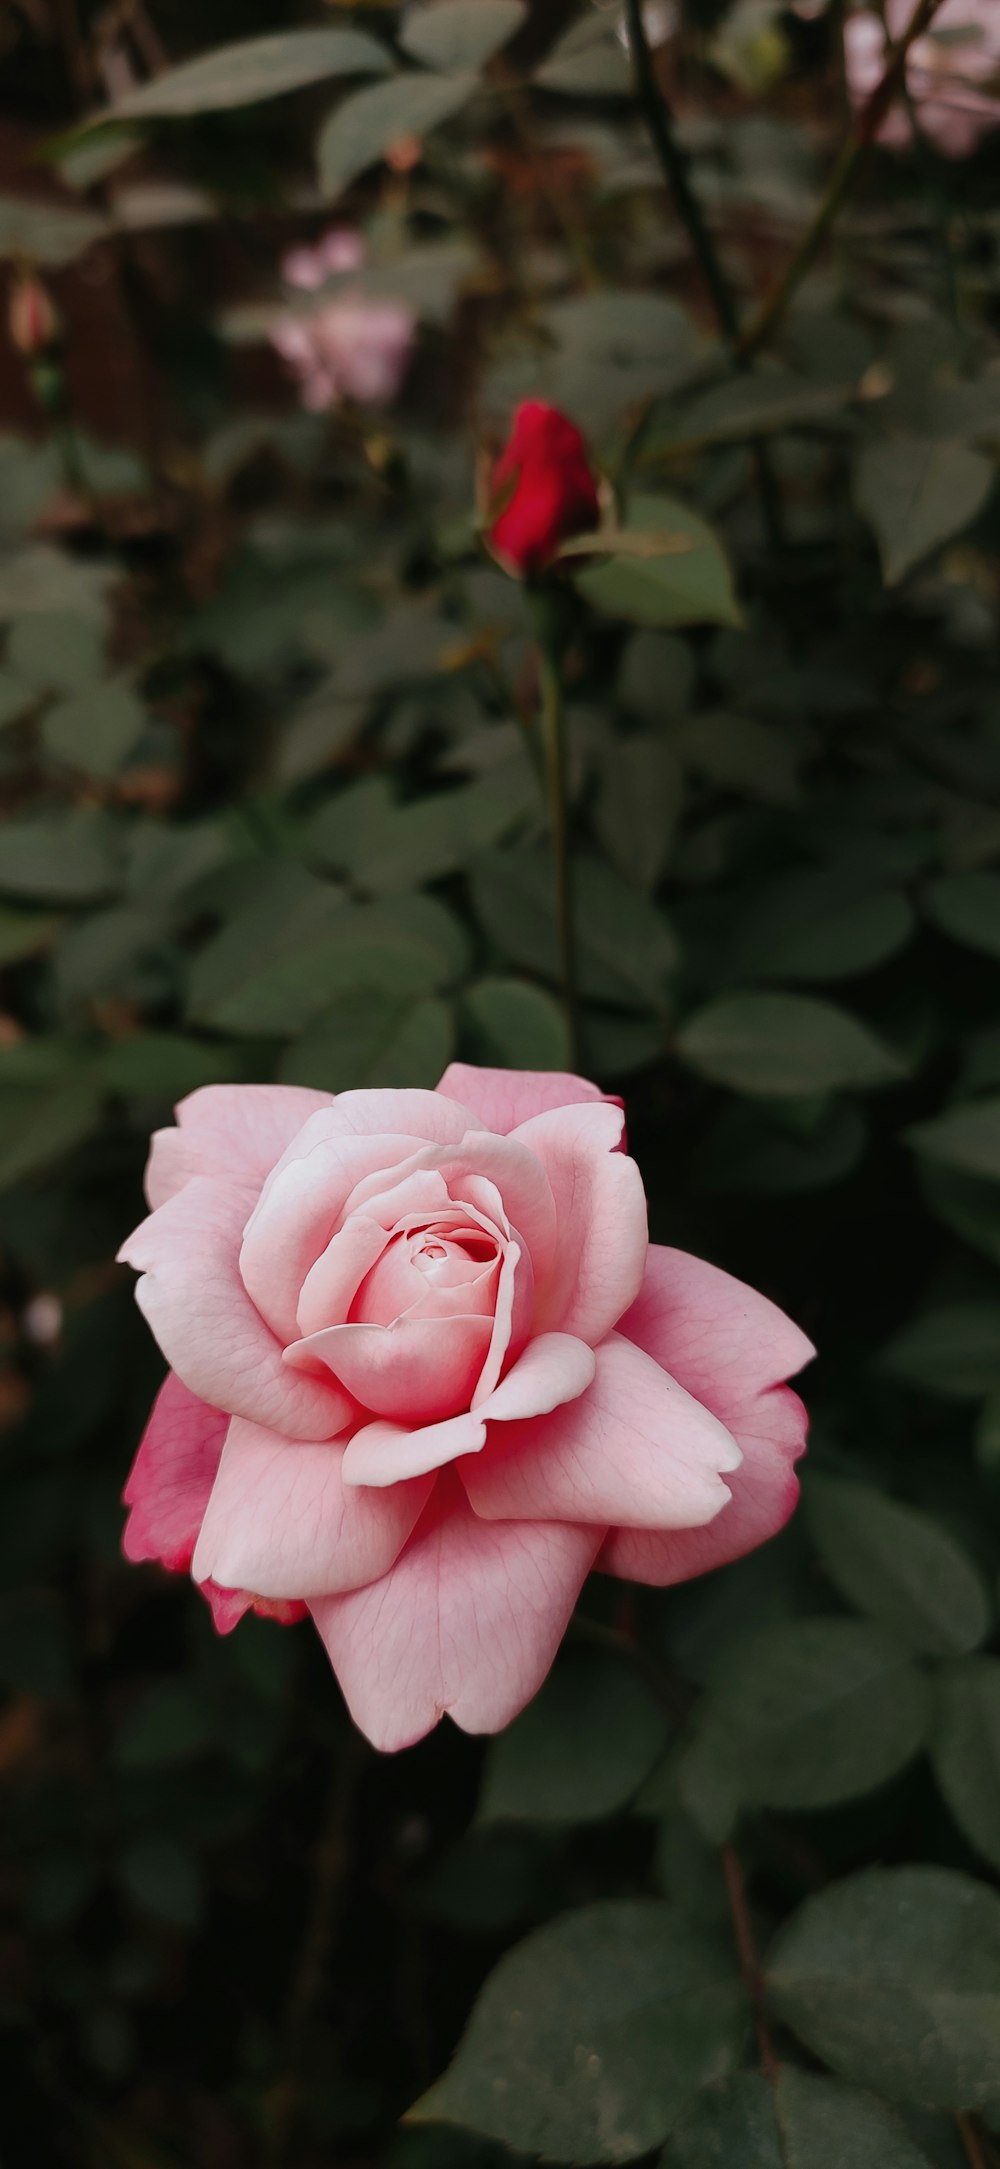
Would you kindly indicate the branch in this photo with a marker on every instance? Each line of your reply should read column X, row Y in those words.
column 866, row 128
column 746, row 1951
column 660, row 122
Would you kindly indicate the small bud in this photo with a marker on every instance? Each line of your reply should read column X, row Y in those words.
column 32, row 317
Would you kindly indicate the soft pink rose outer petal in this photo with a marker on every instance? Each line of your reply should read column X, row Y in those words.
column 281, row 1521
column 167, row 1493
column 241, row 1128
column 635, row 1447
column 171, row 1478
column 466, row 1625
column 552, row 1369
column 193, row 1297
column 732, row 1349
column 504, row 1097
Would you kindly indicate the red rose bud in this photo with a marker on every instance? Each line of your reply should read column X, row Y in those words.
column 544, row 486
column 32, row 319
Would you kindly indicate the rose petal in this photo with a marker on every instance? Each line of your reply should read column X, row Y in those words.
column 298, row 1211
column 633, row 1448
column 331, row 1285
column 467, row 1623
column 732, row 1348
column 600, row 1218
column 552, row 1369
column 722, row 1340
column 228, row 1607
column 281, row 1522
column 764, row 1490
column 504, row 1097
column 417, row 1370
column 236, row 1130
column 200, row 1312
column 172, row 1476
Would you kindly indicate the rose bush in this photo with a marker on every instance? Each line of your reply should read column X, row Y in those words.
column 427, row 1371
column 544, row 488
column 952, row 71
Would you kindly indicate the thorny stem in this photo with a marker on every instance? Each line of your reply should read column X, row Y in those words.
column 746, row 1951
column 556, row 773
column 978, row 2152
column 863, row 133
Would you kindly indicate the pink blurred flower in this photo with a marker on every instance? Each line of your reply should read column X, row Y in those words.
column 428, row 1371
column 350, row 347
column 950, row 72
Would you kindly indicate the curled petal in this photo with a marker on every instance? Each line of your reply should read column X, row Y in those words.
column 243, row 1128
column 331, row 1285
column 502, row 1098
column 552, row 1369
column 633, row 1448
column 421, row 1369
column 722, row 1340
column 467, row 1624
column 298, row 1211
column 208, row 1328
column 764, row 1492
column 228, row 1607
column 600, row 1217
column 280, row 1520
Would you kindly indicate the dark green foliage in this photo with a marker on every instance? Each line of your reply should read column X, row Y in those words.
column 725, row 1895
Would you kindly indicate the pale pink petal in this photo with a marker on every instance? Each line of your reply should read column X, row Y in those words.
column 199, row 1310
column 281, row 1522
column 600, row 1218
column 299, row 1209
column 764, row 1495
column 172, row 1476
column 235, row 1131
column 552, row 1369
column 331, row 1285
column 504, row 1097
column 466, row 1624
column 382, row 1454
column 633, row 1448
column 426, row 1116
column 499, row 1176
column 722, row 1340
column 415, row 1371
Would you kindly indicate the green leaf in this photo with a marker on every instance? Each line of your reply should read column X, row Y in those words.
column 954, row 1350
column 580, row 1750
column 893, row 1977
column 387, row 847
column 693, row 587
column 965, row 1749
column 800, row 1716
column 625, row 950
column 24, row 933
column 589, row 2038
column 363, row 127
column 898, row 1565
column 94, row 730
column 460, row 33
column 638, row 806
column 966, row 1137
column 916, row 493
column 518, row 1026
column 749, row 406
column 800, row 2121
column 40, row 1125
column 367, row 1037
column 54, row 651
column 161, row 1066
column 740, row 753
column 588, row 62
column 750, row 1152
column 967, row 906
column 252, row 70
column 69, row 858
column 814, row 926
column 52, row 234
column 164, row 1878
column 784, row 1046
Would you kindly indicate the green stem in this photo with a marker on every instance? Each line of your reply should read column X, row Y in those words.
column 866, row 127
column 556, row 777
column 659, row 121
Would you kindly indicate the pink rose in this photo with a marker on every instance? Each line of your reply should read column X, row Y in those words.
column 950, row 72
column 351, row 346
column 427, row 1371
